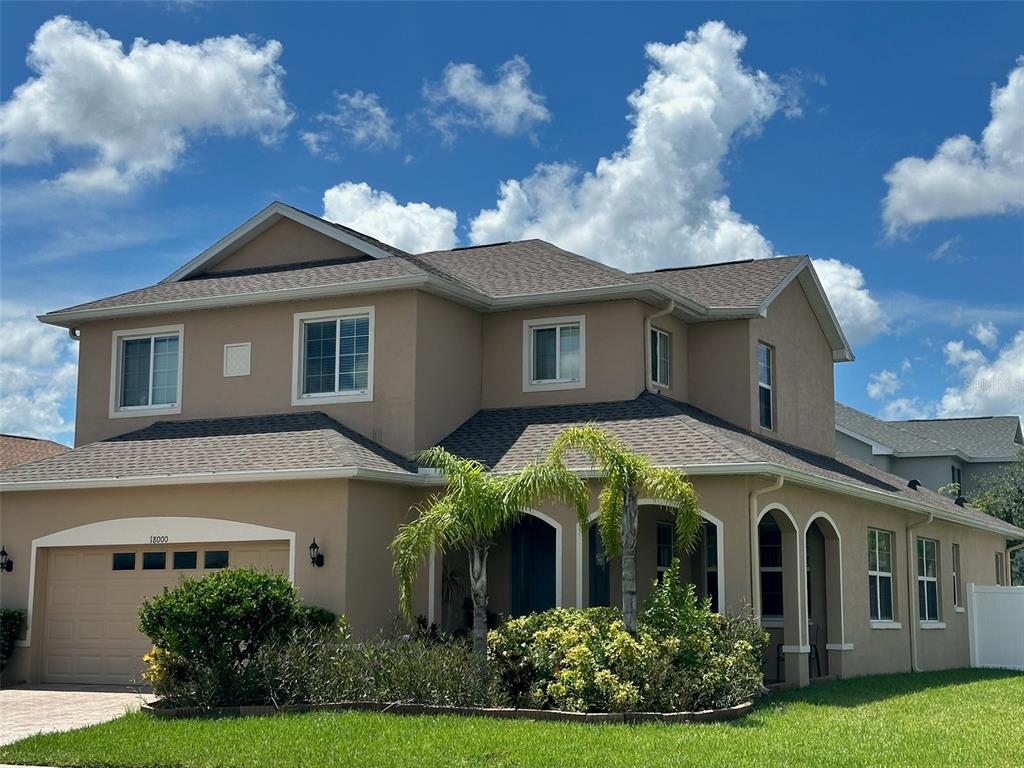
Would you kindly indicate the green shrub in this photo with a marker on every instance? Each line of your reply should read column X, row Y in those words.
column 314, row 616
column 682, row 657
column 11, row 622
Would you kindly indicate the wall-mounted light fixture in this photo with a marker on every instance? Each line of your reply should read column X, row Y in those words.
column 6, row 564
column 315, row 557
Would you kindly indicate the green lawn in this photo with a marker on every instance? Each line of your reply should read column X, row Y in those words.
column 964, row 717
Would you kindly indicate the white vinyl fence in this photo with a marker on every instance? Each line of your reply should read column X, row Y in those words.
column 995, row 618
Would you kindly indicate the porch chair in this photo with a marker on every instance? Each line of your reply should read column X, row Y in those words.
column 812, row 630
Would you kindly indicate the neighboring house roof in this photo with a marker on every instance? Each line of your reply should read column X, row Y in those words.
column 16, row 449
column 983, row 438
column 488, row 278
column 675, row 434
column 293, row 443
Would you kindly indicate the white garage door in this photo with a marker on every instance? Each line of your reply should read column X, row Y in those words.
column 91, row 620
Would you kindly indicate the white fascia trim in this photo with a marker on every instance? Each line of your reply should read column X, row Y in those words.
column 877, row 449
column 246, row 476
column 260, row 223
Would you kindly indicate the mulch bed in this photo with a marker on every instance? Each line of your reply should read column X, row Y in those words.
column 398, row 708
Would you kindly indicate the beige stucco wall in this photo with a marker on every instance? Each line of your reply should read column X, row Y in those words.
column 804, row 385
column 286, row 242
column 614, row 352
column 719, row 369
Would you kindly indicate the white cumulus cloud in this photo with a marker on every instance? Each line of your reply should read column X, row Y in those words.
column 965, row 178
column 960, row 356
column 883, row 384
column 133, row 114
column 38, row 375
column 413, row 227
column 907, row 408
column 990, row 387
column 464, row 98
column 858, row 312
column 985, row 331
column 360, row 118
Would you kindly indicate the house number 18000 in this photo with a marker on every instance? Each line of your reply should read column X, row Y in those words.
column 159, row 539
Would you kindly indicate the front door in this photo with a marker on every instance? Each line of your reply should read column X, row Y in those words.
column 532, row 580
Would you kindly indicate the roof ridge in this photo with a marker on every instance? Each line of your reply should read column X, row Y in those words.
column 896, row 426
column 766, row 260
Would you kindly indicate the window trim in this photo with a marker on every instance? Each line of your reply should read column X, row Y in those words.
column 529, row 326
column 921, row 548
column 656, row 335
column 299, row 320
column 880, row 623
column 763, row 569
column 770, row 386
column 117, row 411
column 659, row 527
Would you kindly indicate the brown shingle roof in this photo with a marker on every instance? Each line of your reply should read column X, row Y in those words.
column 524, row 267
column 295, row 441
column 673, row 434
column 15, row 450
column 733, row 284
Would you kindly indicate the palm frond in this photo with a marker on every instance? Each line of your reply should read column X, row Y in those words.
column 672, row 487
column 437, row 526
column 530, row 486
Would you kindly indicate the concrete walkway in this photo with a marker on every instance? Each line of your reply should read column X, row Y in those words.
column 25, row 710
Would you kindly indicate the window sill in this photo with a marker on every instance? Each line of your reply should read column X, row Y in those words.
column 354, row 397
column 144, row 410
column 932, row 624
column 960, row 609
column 772, row 622
column 886, row 625
column 551, row 386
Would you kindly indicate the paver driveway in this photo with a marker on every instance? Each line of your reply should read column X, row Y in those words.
column 41, row 708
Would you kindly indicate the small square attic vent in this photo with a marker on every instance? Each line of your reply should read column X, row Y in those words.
column 238, row 359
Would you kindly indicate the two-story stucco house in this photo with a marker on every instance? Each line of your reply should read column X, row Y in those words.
column 274, row 390
column 937, row 452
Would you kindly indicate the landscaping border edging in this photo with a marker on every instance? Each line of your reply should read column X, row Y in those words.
column 500, row 713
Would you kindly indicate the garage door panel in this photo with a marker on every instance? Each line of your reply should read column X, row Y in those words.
column 91, row 619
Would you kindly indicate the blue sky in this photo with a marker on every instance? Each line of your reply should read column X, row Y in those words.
column 787, row 142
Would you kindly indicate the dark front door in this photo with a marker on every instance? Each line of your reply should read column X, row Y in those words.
column 533, row 566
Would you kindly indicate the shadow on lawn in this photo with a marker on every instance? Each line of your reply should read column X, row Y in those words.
column 856, row 691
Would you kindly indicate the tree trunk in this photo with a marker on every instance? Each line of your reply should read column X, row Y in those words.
column 478, row 589
column 630, row 516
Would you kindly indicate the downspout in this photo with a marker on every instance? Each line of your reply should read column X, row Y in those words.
column 755, row 554
column 912, row 592
column 647, row 342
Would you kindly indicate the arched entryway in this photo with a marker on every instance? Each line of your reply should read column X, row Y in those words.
column 825, row 619
column 779, row 601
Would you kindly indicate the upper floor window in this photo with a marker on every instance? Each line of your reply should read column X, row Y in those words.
column 927, row 580
column 146, row 371
column 765, row 385
column 957, row 476
column 879, row 575
column 553, row 353
column 661, row 365
column 333, row 356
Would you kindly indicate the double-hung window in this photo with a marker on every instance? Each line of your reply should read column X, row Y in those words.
column 661, row 358
column 955, row 562
column 770, row 553
column 666, row 546
column 766, row 385
column 927, row 580
column 554, row 353
column 146, row 371
column 333, row 356
column 880, row 575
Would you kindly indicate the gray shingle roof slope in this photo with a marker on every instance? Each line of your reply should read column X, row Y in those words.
column 977, row 437
column 670, row 433
column 732, row 284
column 309, row 440
column 524, row 267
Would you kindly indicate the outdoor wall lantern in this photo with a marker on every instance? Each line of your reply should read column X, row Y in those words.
column 315, row 557
column 6, row 564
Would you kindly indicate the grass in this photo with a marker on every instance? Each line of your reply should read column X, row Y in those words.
column 956, row 718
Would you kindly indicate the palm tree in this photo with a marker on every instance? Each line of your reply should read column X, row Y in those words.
column 475, row 507
column 629, row 475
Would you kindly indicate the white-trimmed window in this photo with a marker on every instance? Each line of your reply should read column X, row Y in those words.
column 661, row 358
column 333, row 356
column 769, row 549
column 766, row 385
column 1000, row 570
column 957, row 589
column 554, row 353
column 927, row 579
column 145, row 371
column 880, row 575
column 666, row 547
